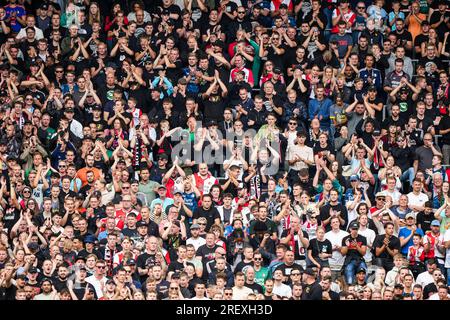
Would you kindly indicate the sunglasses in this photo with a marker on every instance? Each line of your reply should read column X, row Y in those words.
column 201, row 224
column 257, row 259
column 295, row 274
column 101, row 267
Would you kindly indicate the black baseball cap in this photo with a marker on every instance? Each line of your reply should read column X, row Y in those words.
column 354, row 225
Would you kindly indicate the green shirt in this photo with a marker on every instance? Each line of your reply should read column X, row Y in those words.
column 261, row 276
column 147, row 189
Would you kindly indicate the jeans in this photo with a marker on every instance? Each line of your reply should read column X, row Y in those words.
column 328, row 13
column 408, row 175
column 351, row 268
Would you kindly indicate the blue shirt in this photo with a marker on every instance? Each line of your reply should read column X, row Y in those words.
column 320, row 108
column 405, row 232
column 373, row 73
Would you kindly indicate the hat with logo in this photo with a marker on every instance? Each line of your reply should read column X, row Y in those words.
column 361, row 270
column 354, row 225
column 141, row 224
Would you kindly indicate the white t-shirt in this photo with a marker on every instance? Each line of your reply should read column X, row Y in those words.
column 196, row 242
column 241, row 293
column 337, row 259
column 97, row 284
column 282, row 290
column 424, row 278
column 417, row 200
column 394, row 195
column 370, row 237
column 302, row 151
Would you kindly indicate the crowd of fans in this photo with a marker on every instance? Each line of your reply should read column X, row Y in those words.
column 236, row 149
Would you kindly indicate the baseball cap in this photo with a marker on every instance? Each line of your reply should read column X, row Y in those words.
column 163, row 156
column 277, row 70
column 376, row 132
column 410, row 215
column 22, row 276
column 89, row 239
column 435, row 223
column 361, row 270
column 33, row 270
column 309, row 271
column 110, row 281
column 380, row 195
column 404, row 90
column 283, row 6
column 141, row 224
column 161, row 186
column 80, row 257
column 195, row 226
column 131, row 262
column 354, row 177
column 354, row 225
column 212, row 123
column 372, row 88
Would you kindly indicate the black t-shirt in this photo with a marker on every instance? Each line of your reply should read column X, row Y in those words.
column 443, row 125
column 425, row 123
column 378, row 114
column 325, row 214
column 352, row 253
column 389, row 121
column 425, row 221
column 317, row 247
column 211, row 214
column 426, row 61
column 255, row 287
column 145, row 261
column 242, row 266
column 288, row 269
column 312, row 291
column 175, row 266
column 394, row 243
column 403, row 37
column 442, row 28
column 206, row 253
